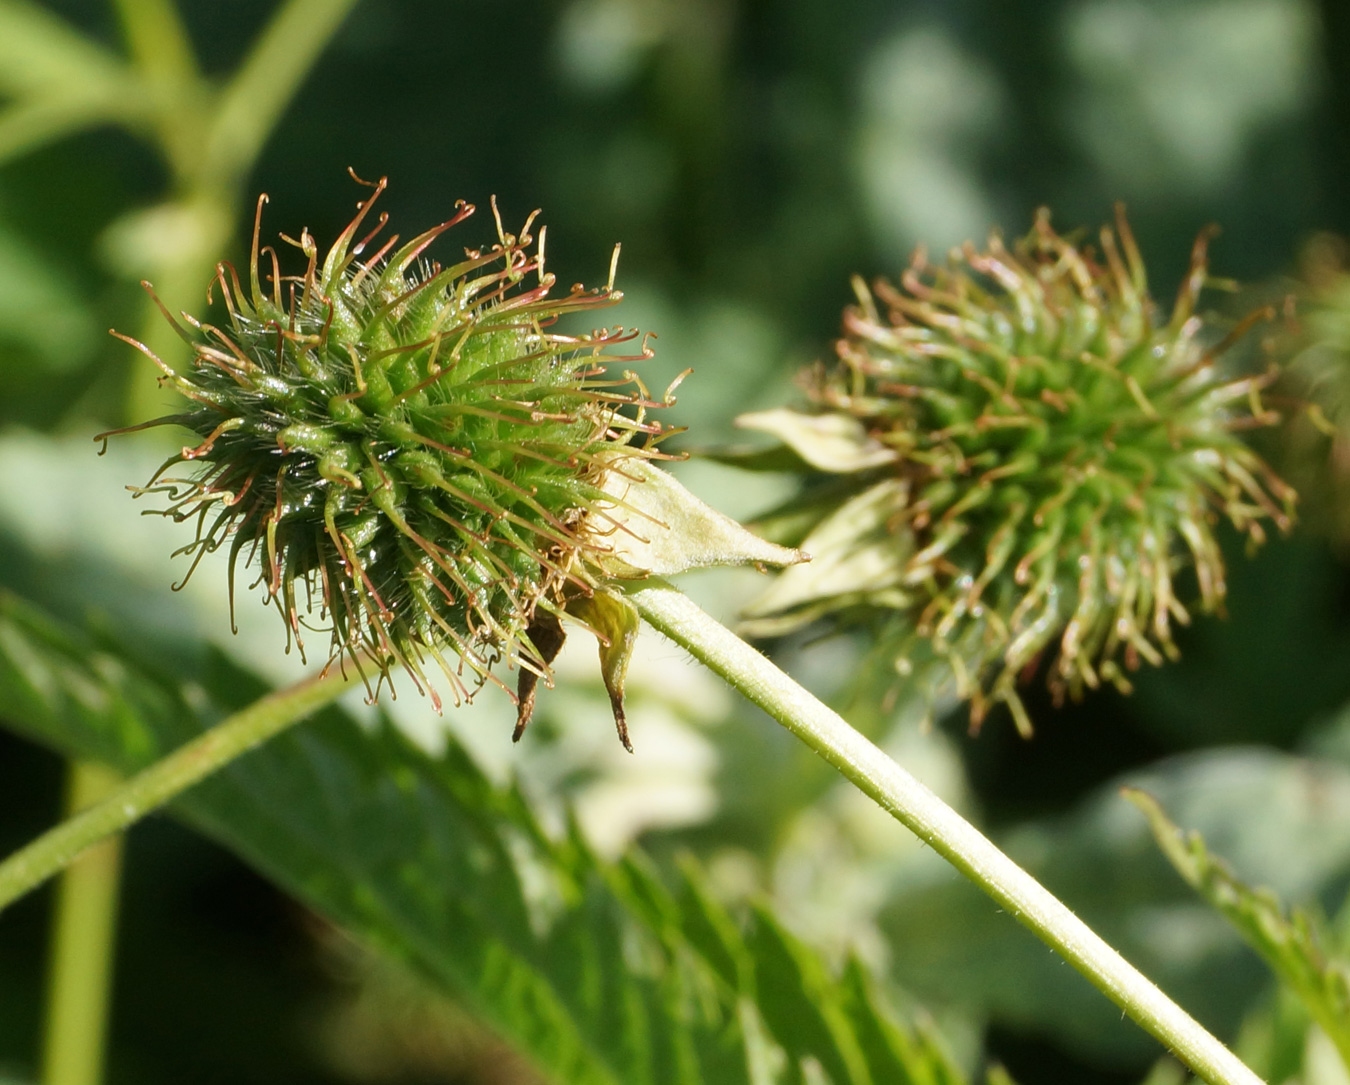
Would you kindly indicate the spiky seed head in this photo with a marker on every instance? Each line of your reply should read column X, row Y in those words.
column 1316, row 346
column 405, row 452
column 1026, row 454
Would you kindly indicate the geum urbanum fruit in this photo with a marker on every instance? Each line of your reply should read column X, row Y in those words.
column 416, row 458
column 1316, row 346
column 1011, row 460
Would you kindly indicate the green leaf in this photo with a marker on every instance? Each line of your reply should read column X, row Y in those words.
column 597, row 971
column 1279, row 1040
column 40, row 307
column 906, row 1056
column 948, row 947
column 793, row 994
column 1289, row 941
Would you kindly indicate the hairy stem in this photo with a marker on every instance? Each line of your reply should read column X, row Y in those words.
column 80, row 972
column 938, row 825
column 151, row 788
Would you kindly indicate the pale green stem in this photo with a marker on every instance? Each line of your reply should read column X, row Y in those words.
column 211, row 145
column 262, row 88
column 163, row 57
column 150, row 789
column 158, row 41
column 83, row 938
column 938, row 825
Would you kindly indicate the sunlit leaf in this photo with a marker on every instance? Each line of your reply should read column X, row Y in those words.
column 597, row 971
column 948, row 947
column 1291, row 941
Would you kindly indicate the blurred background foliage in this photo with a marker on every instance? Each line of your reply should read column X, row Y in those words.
column 750, row 155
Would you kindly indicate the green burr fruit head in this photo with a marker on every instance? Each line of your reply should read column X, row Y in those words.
column 404, row 453
column 1315, row 451
column 1016, row 457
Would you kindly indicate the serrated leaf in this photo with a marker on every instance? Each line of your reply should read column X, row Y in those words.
column 794, row 996
column 894, row 1055
column 948, row 946
column 1288, row 940
column 597, row 971
column 709, row 927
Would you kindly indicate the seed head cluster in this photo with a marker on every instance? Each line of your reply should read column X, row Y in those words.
column 404, row 452
column 1040, row 454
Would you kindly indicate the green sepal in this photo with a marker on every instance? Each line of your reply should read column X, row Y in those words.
column 650, row 525
column 835, row 443
column 862, row 557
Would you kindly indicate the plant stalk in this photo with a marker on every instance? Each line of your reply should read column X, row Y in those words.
column 84, row 936
column 151, row 788
column 939, row 826
column 210, row 143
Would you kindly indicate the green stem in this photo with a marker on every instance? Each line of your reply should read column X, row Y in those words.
column 211, row 144
column 163, row 57
column 151, row 788
column 938, row 825
column 262, row 88
column 82, row 946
